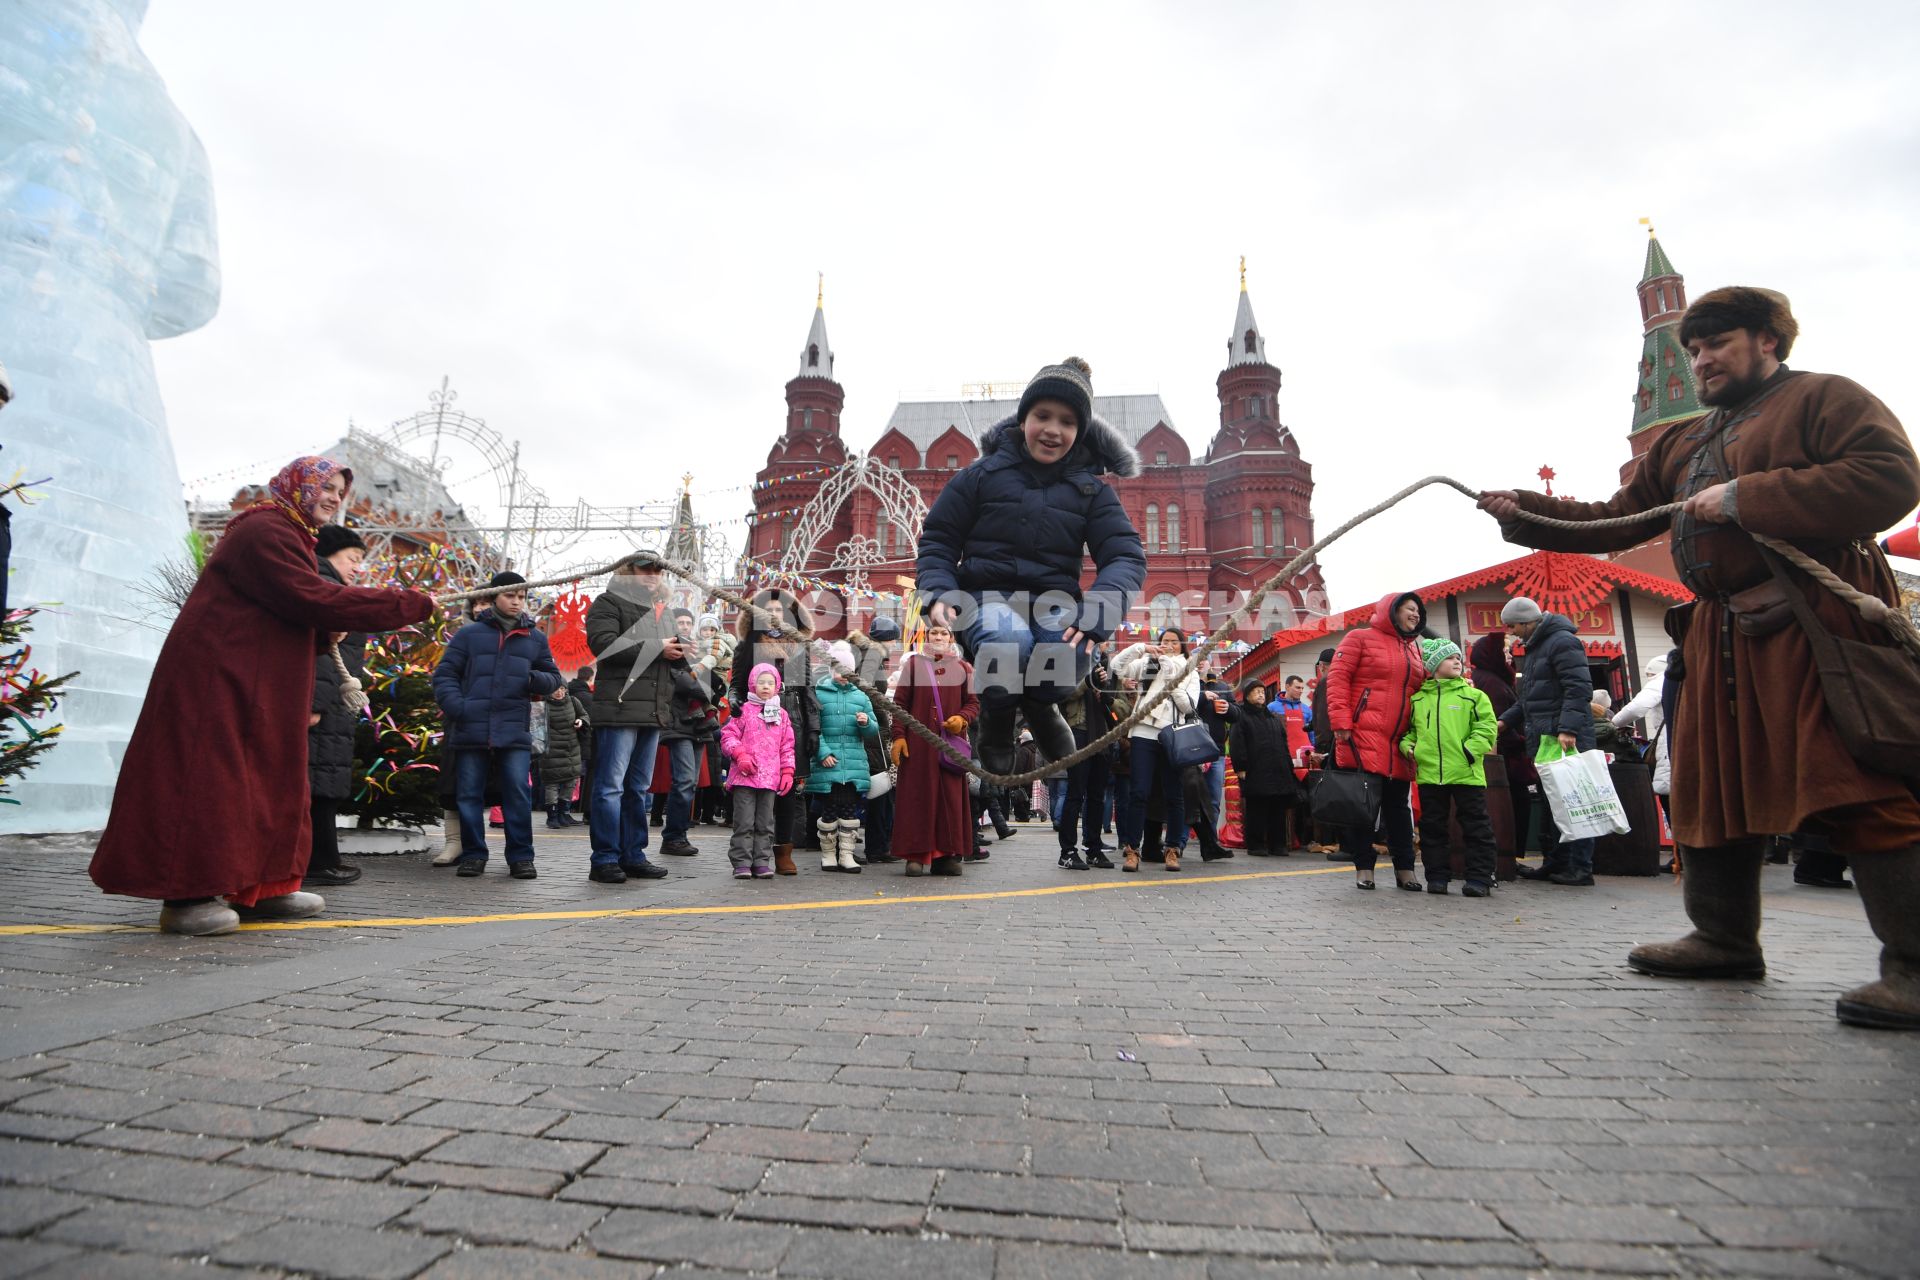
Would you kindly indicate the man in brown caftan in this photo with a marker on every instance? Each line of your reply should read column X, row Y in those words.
column 1816, row 460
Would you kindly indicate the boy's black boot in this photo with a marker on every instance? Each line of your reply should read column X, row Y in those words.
column 996, row 739
column 1051, row 733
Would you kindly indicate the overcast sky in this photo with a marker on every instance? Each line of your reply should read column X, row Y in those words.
column 604, row 220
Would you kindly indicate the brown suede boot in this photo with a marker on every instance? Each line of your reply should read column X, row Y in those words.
column 1129, row 859
column 1721, row 889
column 1889, row 885
column 783, row 861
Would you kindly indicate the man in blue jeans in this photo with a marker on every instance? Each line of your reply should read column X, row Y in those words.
column 1555, row 706
column 637, row 655
column 492, row 672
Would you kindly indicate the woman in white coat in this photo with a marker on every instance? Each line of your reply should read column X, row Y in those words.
column 1153, row 668
column 1646, row 706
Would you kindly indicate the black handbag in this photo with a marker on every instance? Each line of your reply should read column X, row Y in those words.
column 1188, row 744
column 1344, row 797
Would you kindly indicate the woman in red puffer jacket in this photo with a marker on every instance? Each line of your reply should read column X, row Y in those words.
column 1369, row 691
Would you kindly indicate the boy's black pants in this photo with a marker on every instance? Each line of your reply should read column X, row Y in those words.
column 1469, row 804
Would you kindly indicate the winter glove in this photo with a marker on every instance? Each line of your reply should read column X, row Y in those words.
column 786, row 782
column 744, row 767
column 899, row 752
column 954, row 724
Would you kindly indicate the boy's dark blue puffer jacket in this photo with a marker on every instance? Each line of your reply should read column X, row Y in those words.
column 1007, row 524
column 492, row 669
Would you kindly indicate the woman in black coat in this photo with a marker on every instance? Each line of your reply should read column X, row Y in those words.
column 1264, row 763
column 782, row 637
column 330, row 725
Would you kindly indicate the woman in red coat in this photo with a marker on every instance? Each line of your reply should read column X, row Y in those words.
column 1369, row 693
column 933, row 818
column 211, row 800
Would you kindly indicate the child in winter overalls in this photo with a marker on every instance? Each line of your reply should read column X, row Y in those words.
column 758, row 744
column 1452, row 731
column 840, row 774
column 1001, row 553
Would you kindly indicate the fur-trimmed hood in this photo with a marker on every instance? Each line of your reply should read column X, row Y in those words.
column 1099, row 448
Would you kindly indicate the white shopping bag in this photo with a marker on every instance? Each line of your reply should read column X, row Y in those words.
column 1580, row 793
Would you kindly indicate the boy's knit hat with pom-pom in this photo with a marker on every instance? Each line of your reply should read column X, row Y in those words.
column 1435, row 652
column 1070, row 381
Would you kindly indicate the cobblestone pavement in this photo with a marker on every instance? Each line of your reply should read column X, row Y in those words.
column 1271, row 1075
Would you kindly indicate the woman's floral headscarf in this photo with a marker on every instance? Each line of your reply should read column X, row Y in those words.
column 295, row 492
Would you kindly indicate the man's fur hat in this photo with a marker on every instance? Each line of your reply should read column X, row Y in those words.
column 1746, row 307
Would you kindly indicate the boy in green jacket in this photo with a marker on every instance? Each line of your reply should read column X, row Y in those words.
column 1453, row 729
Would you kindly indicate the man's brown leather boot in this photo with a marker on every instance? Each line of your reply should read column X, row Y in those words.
column 1721, row 889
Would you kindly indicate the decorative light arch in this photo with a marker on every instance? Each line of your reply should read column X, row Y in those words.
column 900, row 503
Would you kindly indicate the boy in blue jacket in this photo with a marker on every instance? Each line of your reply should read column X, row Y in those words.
column 1001, row 553
column 494, row 667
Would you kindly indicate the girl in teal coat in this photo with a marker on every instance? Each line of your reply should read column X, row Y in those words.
column 839, row 771
column 1453, row 729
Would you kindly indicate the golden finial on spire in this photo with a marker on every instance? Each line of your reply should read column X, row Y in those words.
column 1648, row 224
column 686, row 482
column 1243, row 273
column 820, row 294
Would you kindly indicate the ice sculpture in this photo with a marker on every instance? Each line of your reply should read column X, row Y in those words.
column 106, row 241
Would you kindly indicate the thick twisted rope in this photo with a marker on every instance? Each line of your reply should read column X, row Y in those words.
column 1871, row 607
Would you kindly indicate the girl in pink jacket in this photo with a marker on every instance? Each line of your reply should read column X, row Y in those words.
column 758, row 744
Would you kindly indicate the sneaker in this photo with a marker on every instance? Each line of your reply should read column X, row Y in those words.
column 522, row 871
column 1571, row 880
column 1474, row 889
column 1070, row 860
column 1097, row 858
column 745, row 873
column 606, row 874
column 471, row 867
column 644, row 870
column 678, row 848
column 200, row 920
column 763, row 871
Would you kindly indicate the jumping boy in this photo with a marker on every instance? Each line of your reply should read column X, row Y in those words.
column 1001, row 555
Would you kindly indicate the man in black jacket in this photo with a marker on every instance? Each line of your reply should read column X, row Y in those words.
column 637, row 655
column 1218, row 710
column 1555, row 702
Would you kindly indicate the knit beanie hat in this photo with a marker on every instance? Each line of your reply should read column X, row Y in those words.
column 840, row 653
column 504, row 579
column 885, row 630
column 336, row 537
column 1070, row 381
column 1435, row 652
column 1603, row 698
column 706, row 620
column 1326, row 656
column 1519, row 610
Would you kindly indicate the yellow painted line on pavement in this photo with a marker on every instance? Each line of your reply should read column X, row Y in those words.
column 879, row 899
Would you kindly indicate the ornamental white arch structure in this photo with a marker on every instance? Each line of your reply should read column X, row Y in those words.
column 900, row 505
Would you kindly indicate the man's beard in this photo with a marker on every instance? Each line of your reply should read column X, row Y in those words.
column 1732, row 392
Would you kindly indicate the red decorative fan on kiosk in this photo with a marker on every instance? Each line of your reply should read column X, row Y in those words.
column 568, row 637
